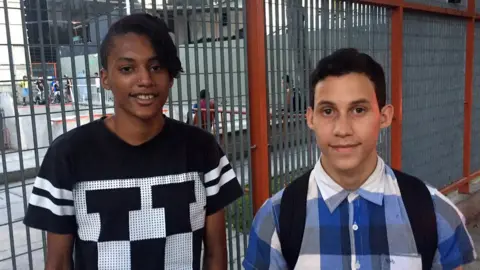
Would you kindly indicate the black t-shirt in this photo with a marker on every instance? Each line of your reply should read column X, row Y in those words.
column 132, row 207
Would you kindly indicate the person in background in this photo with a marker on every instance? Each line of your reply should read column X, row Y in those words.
column 68, row 88
column 136, row 190
column 24, row 85
column 98, row 85
column 352, row 211
column 203, row 112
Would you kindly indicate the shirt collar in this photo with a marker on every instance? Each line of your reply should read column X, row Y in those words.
column 333, row 194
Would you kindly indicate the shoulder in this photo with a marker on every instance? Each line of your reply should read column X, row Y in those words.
column 77, row 138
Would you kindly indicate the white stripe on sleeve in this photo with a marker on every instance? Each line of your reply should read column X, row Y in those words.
column 215, row 173
column 59, row 210
column 57, row 193
column 226, row 177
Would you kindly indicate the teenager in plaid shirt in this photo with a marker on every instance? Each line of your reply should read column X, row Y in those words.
column 356, row 214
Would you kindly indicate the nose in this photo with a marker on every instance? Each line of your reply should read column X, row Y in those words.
column 343, row 126
column 144, row 78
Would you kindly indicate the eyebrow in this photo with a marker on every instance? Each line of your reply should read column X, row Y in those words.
column 128, row 59
column 355, row 102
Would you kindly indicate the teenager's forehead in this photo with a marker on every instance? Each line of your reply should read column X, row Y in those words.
column 345, row 89
column 131, row 46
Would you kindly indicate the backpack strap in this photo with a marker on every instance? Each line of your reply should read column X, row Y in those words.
column 293, row 213
column 421, row 213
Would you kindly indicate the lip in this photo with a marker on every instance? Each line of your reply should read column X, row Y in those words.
column 144, row 102
column 344, row 148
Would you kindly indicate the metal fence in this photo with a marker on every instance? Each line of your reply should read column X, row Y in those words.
column 425, row 47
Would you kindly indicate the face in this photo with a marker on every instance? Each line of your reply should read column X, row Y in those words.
column 346, row 120
column 138, row 83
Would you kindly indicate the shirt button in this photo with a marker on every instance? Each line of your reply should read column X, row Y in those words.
column 355, row 227
column 357, row 265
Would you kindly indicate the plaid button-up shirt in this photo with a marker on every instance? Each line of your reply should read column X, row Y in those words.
column 366, row 229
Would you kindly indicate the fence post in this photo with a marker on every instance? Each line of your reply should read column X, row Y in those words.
column 467, row 125
column 397, row 77
column 257, row 94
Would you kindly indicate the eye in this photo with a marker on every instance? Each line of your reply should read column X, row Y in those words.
column 359, row 110
column 156, row 68
column 327, row 111
column 126, row 69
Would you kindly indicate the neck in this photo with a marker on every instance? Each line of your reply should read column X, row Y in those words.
column 133, row 130
column 354, row 178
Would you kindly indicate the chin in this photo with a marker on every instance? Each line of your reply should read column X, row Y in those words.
column 343, row 164
column 147, row 115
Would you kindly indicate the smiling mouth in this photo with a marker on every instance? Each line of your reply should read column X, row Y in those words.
column 144, row 96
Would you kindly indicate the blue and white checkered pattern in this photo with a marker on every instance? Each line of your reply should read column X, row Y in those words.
column 366, row 229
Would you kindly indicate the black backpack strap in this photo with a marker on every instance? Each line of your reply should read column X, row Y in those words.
column 293, row 213
column 421, row 213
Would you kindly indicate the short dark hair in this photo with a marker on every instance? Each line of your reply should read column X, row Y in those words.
column 155, row 30
column 346, row 61
column 203, row 94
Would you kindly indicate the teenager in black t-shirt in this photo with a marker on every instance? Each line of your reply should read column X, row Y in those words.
column 136, row 190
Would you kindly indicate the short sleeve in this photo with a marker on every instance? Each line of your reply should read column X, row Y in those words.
column 50, row 205
column 455, row 245
column 221, row 183
column 264, row 250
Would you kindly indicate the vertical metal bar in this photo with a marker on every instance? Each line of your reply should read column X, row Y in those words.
column 257, row 85
column 88, row 77
column 197, row 64
column 144, row 9
column 42, row 58
column 241, row 95
column 187, row 59
column 73, row 64
column 270, row 52
column 97, row 38
column 467, row 132
column 29, row 76
column 240, row 119
column 120, row 7
column 46, row 95
column 109, row 14
column 154, row 6
column 58, row 68
column 225, row 129
column 277, row 122
column 397, row 77
column 205, row 64
column 301, row 51
column 177, row 43
column 166, row 17
column 285, row 58
column 325, row 27
column 247, row 109
column 34, row 128
column 213, row 31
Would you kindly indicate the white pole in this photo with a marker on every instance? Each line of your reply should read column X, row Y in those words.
column 127, row 6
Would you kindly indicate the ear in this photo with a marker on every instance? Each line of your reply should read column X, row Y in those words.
column 170, row 85
column 386, row 116
column 309, row 116
column 104, row 79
